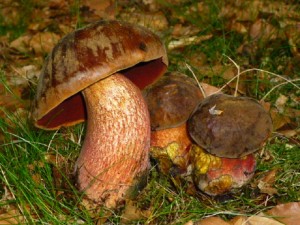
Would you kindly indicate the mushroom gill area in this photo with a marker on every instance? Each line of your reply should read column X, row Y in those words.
column 72, row 110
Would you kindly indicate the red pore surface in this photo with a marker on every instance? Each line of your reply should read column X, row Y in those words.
column 72, row 110
column 239, row 169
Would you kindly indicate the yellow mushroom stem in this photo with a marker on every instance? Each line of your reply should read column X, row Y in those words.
column 115, row 152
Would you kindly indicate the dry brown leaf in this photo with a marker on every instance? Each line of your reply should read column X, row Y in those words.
column 11, row 216
column 132, row 212
column 103, row 8
column 44, row 42
column 57, row 4
column 254, row 220
column 241, row 11
column 238, row 27
column 21, row 43
column 22, row 75
column 288, row 213
column 266, row 184
column 289, row 133
column 279, row 120
column 227, row 72
column 156, row 21
column 262, row 30
column 189, row 223
column 293, row 34
column 179, row 30
column 65, row 29
column 281, row 103
column 185, row 41
column 9, row 100
column 212, row 221
column 209, row 89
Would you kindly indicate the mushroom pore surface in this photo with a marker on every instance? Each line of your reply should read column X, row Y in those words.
column 114, row 154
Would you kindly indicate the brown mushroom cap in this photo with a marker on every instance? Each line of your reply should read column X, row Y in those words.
column 171, row 100
column 230, row 127
column 88, row 55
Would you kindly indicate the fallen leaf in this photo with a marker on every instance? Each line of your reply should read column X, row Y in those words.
column 209, row 89
column 132, row 212
column 189, row 223
column 44, row 42
column 103, row 8
column 212, row 221
column 23, row 75
column 185, row 41
column 156, row 21
column 263, row 31
column 279, row 120
column 289, row 133
column 238, row 27
column 179, row 30
column 281, row 102
column 288, row 213
column 12, row 216
column 254, row 220
column 21, row 43
column 266, row 184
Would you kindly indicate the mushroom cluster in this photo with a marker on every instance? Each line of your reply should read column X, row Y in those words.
column 171, row 100
column 227, row 131
column 96, row 73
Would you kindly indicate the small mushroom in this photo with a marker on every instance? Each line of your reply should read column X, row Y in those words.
column 230, row 127
column 229, row 130
column 217, row 176
column 170, row 101
column 97, row 73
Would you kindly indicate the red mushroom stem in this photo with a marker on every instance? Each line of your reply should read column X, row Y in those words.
column 116, row 146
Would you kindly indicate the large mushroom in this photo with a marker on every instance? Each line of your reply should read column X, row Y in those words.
column 229, row 129
column 97, row 73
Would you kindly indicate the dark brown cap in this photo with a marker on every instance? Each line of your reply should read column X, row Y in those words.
column 171, row 100
column 228, row 126
column 88, row 55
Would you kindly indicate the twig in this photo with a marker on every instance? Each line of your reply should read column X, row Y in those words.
column 237, row 76
column 199, row 85
column 259, row 70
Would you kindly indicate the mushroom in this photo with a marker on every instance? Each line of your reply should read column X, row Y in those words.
column 170, row 101
column 96, row 73
column 228, row 126
column 230, row 129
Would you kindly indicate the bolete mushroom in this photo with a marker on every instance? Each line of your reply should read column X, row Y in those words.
column 170, row 101
column 229, row 129
column 96, row 73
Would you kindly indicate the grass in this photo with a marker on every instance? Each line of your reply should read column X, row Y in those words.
column 36, row 166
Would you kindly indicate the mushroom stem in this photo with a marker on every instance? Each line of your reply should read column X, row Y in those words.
column 115, row 151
